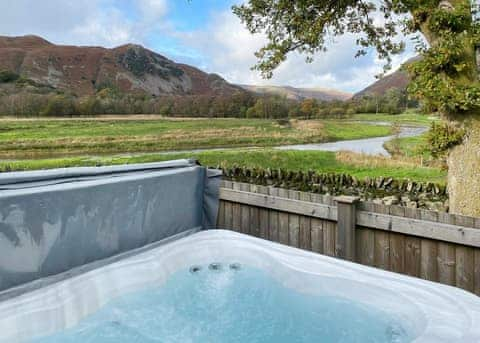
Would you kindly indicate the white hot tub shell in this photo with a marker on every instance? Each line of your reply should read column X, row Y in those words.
column 431, row 311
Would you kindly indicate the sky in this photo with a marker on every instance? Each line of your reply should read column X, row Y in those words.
column 203, row 33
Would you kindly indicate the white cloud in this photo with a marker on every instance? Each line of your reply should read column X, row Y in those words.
column 229, row 50
column 223, row 46
column 106, row 28
column 41, row 17
column 228, row 47
column 93, row 22
column 153, row 9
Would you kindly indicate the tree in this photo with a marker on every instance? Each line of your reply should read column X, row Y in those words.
column 269, row 107
column 308, row 108
column 59, row 105
column 394, row 101
column 446, row 78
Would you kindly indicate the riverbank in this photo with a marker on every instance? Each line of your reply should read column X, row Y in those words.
column 370, row 146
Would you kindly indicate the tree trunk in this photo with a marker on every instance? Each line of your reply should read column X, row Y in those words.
column 464, row 173
column 478, row 59
column 463, row 160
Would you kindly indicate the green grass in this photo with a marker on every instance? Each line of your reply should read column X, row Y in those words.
column 404, row 118
column 55, row 138
column 319, row 161
column 408, row 146
column 54, row 143
column 343, row 130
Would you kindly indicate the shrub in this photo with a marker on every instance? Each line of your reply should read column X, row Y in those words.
column 337, row 112
column 108, row 93
column 59, row 105
column 8, row 76
column 351, row 111
column 89, row 106
column 442, row 137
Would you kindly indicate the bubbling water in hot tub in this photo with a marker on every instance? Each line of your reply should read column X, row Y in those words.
column 230, row 302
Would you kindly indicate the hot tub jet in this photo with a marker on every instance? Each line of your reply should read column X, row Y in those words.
column 235, row 266
column 215, row 266
column 195, row 269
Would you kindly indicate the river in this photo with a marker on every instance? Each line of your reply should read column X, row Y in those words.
column 371, row 146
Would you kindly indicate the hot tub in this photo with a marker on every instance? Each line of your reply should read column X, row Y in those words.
column 221, row 286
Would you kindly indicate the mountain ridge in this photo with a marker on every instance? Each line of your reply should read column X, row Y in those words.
column 398, row 79
column 294, row 93
column 83, row 70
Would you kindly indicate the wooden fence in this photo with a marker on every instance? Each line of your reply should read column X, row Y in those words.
column 431, row 245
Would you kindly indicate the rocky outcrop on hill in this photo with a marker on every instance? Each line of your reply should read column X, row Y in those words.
column 84, row 70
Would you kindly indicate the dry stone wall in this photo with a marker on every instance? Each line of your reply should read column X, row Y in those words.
column 381, row 190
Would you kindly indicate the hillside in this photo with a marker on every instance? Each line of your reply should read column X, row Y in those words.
column 299, row 93
column 398, row 79
column 84, row 70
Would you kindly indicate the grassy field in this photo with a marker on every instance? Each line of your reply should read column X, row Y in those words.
column 408, row 146
column 403, row 119
column 51, row 143
column 321, row 161
column 55, row 138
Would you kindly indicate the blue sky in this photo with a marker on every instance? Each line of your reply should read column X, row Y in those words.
column 186, row 16
column 203, row 33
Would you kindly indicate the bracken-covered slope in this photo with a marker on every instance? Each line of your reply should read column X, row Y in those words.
column 398, row 79
column 299, row 93
column 84, row 70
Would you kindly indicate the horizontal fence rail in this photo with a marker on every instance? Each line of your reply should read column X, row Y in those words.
column 280, row 204
column 431, row 245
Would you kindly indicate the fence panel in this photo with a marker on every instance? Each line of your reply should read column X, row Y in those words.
column 434, row 246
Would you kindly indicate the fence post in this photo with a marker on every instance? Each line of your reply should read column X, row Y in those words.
column 346, row 221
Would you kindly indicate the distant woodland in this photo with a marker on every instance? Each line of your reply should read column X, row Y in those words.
column 24, row 97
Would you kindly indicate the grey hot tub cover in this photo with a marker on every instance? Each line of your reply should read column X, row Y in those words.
column 54, row 220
